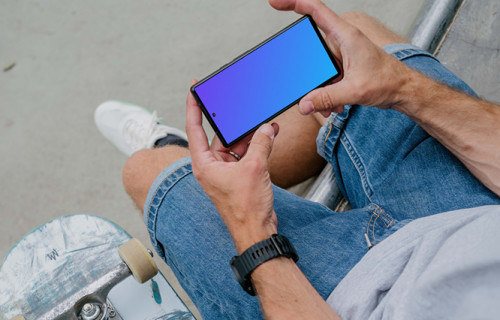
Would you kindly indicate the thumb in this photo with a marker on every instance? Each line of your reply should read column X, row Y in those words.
column 262, row 142
column 326, row 98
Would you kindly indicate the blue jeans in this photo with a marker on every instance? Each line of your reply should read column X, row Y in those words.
column 389, row 169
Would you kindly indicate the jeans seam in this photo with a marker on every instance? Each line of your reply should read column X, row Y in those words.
column 358, row 163
column 328, row 134
column 161, row 184
column 411, row 52
column 152, row 218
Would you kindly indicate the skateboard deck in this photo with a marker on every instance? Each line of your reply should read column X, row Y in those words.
column 73, row 262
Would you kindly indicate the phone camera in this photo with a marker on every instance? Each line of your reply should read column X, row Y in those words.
column 213, row 114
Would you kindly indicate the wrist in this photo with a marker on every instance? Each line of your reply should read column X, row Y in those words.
column 247, row 235
column 413, row 95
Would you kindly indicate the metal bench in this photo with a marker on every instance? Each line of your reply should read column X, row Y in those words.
column 465, row 36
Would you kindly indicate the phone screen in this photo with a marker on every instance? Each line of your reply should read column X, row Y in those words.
column 265, row 81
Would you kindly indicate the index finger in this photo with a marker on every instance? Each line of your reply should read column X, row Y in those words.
column 325, row 18
column 198, row 141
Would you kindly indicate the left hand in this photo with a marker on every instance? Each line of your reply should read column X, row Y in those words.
column 240, row 190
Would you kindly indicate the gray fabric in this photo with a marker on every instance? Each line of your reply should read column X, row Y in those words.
column 445, row 266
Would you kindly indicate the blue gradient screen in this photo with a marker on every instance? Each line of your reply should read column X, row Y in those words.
column 261, row 84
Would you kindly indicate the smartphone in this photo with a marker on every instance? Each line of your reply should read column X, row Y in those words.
column 265, row 81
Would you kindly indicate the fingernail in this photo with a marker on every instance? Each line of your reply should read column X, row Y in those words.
column 306, row 107
column 267, row 129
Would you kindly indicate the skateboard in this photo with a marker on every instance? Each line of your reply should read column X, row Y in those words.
column 84, row 267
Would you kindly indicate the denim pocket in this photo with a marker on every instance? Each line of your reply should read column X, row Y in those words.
column 381, row 225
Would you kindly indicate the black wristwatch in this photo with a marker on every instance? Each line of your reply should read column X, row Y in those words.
column 243, row 265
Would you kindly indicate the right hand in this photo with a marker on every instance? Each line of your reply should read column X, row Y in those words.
column 371, row 77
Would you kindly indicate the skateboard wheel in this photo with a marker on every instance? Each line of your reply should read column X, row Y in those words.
column 138, row 260
column 18, row 317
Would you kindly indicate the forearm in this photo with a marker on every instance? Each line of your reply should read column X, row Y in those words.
column 285, row 293
column 468, row 127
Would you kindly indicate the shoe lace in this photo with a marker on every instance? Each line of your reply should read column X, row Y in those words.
column 143, row 134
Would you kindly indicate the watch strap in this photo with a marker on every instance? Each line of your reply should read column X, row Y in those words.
column 273, row 247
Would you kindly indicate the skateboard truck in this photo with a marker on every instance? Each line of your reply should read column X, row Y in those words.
column 90, row 303
column 94, row 311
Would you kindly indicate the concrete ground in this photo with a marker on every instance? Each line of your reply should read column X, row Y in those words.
column 72, row 55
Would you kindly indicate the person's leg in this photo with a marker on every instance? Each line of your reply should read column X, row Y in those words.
column 294, row 158
column 142, row 168
column 188, row 233
column 145, row 139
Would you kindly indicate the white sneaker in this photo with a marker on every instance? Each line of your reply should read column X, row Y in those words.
column 130, row 127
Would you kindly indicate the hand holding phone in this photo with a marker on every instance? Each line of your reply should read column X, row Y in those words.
column 370, row 76
column 240, row 189
column 265, row 81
